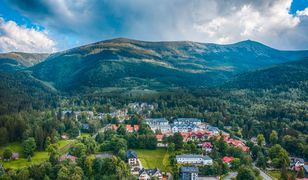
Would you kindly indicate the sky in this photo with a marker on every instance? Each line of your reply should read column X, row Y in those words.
column 56, row 25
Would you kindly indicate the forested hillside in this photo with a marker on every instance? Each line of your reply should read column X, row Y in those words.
column 21, row 92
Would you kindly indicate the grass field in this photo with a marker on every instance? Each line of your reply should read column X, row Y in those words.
column 158, row 158
column 38, row 157
column 276, row 174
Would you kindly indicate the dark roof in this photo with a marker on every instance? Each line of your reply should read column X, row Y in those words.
column 189, row 169
column 131, row 154
column 150, row 172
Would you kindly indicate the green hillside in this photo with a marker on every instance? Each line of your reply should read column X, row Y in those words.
column 151, row 65
column 20, row 91
column 292, row 74
column 17, row 60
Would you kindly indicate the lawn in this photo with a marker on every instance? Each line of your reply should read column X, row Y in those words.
column 15, row 147
column 38, row 157
column 158, row 158
column 276, row 174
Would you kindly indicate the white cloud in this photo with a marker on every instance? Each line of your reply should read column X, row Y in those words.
column 218, row 21
column 19, row 38
column 302, row 13
column 249, row 22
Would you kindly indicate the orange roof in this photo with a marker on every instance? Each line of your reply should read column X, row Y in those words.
column 129, row 128
column 159, row 137
column 228, row 159
column 136, row 127
column 114, row 127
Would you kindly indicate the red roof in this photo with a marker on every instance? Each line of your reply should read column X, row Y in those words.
column 70, row 157
column 207, row 145
column 114, row 127
column 159, row 137
column 228, row 159
column 129, row 128
column 136, row 127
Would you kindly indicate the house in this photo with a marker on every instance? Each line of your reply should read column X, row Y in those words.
column 227, row 159
column 195, row 136
column 186, row 121
column 184, row 128
column 132, row 158
column 147, row 174
column 128, row 127
column 69, row 157
column 207, row 147
column 156, row 121
column 161, row 128
column 85, row 126
column 238, row 144
column 296, row 162
column 194, row 159
column 189, row 173
column 15, row 156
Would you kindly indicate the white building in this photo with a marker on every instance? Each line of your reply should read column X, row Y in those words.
column 194, row 121
column 194, row 159
column 184, row 128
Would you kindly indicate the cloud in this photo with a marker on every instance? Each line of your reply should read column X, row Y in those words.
column 303, row 12
column 19, row 38
column 218, row 21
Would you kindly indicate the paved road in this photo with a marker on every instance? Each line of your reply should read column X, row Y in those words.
column 262, row 173
column 230, row 176
column 101, row 130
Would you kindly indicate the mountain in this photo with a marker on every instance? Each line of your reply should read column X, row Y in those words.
column 17, row 60
column 20, row 91
column 130, row 63
column 290, row 74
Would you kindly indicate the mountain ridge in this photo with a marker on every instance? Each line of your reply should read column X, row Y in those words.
column 132, row 63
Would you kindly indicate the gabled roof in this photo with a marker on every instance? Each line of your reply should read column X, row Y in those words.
column 228, row 159
column 160, row 120
column 193, row 156
column 131, row 154
column 149, row 172
column 189, row 169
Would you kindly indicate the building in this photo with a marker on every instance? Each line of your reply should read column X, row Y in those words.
column 15, row 155
column 213, row 129
column 238, row 144
column 147, row 174
column 132, row 158
column 69, row 157
column 185, row 121
column 184, row 128
column 156, row 121
column 195, row 136
column 194, row 159
column 227, row 159
column 296, row 162
column 128, row 127
column 189, row 173
column 207, row 147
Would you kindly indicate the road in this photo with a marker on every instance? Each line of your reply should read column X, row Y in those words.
column 101, row 130
column 230, row 176
column 262, row 173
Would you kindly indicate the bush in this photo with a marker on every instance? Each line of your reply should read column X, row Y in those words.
column 7, row 154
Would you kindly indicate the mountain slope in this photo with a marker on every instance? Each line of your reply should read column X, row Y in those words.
column 131, row 63
column 19, row 91
column 17, row 60
column 291, row 74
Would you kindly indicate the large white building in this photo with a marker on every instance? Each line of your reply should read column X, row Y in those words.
column 194, row 159
column 160, row 124
column 194, row 121
column 184, row 128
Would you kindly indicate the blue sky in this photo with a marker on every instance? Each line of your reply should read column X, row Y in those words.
column 55, row 25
